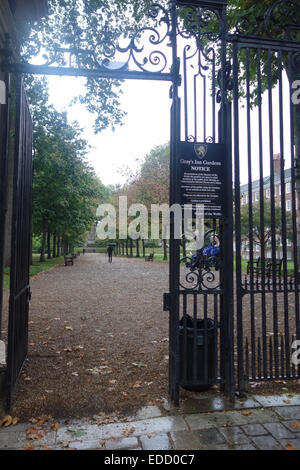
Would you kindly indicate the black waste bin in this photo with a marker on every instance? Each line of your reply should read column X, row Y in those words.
column 194, row 353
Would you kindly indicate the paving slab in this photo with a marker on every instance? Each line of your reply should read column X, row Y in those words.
column 235, row 435
column 288, row 412
column 254, row 429
column 291, row 444
column 210, row 438
column 245, row 447
column 122, row 444
column 202, row 405
column 157, row 442
column 278, row 430
column 263, row 428
column 293, row 425
column 119, row 430
column 231, row 418
column 185, row 440
column 285, row 399
column 267, row 443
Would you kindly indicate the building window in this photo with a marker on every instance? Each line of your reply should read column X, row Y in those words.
column 288, row 188
column 288, row 205
column 268, row 193
column 256, row 196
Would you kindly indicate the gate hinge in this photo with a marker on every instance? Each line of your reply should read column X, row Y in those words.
column 167, row 301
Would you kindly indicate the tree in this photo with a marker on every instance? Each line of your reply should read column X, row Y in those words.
column 87, row 25
column 65, row 190
column 262, row 235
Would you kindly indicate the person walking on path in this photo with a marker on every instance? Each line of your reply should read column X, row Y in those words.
column 110, row 252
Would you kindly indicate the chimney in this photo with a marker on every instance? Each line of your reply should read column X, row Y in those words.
column 276, row 162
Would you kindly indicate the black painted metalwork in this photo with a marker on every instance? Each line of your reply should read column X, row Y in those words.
column 227, row 87
column 267, row 297
column 4, row 126
column 20, row 244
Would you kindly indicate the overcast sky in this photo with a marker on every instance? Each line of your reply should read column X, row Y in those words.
column 146, row 125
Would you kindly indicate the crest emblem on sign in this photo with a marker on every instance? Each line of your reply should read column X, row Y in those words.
column 200, row 150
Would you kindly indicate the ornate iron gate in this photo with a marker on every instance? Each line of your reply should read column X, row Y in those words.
column 20, row 243
column 214, row 70
column 266, row 192
column 201, row 294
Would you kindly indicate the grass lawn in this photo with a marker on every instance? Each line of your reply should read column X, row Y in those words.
column 36, row 268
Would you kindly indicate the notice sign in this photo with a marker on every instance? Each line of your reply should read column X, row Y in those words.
column 202, row 177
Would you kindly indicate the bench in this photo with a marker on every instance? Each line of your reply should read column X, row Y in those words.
column 257, row 267
column 149, row 257
column 69, row 260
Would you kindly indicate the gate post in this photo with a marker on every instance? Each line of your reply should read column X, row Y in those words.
column 174, row 264
column 4, row 129
column 227, row 303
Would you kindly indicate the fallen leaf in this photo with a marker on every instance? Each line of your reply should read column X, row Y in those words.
column 127, row 432
column 6, row 421
column 294, row 425
column 54, row 426
column 29, row 447
column 64, row 444
column 34, row 433
column 246, row 413
column 290, row 447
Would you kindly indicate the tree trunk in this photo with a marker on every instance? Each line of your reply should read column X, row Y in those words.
column 58, row 246
column 48, row 245
column 165, row 249
column 54, row 245
column 42, row 257
column 63, row 246
column 131, row 247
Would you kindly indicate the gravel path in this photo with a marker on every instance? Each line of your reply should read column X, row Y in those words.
column 98, row 339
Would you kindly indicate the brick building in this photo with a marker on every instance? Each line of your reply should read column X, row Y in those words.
column 267, row 196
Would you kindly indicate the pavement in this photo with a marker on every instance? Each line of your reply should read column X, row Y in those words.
column 203, row 422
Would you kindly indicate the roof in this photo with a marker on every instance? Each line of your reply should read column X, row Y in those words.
column 267, row 179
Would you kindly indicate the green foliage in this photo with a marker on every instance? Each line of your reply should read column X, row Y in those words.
column 262, row 235
column 66, row 191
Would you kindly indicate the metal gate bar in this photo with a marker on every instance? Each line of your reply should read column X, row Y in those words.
column 20, row 244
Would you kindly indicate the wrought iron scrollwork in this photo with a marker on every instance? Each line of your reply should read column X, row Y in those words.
column 228, row 81
column 145, row 50
column 202, row 267
column 204, row 24
column 281, row 21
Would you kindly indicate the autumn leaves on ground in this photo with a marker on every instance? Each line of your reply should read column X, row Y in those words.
column 98, row 340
